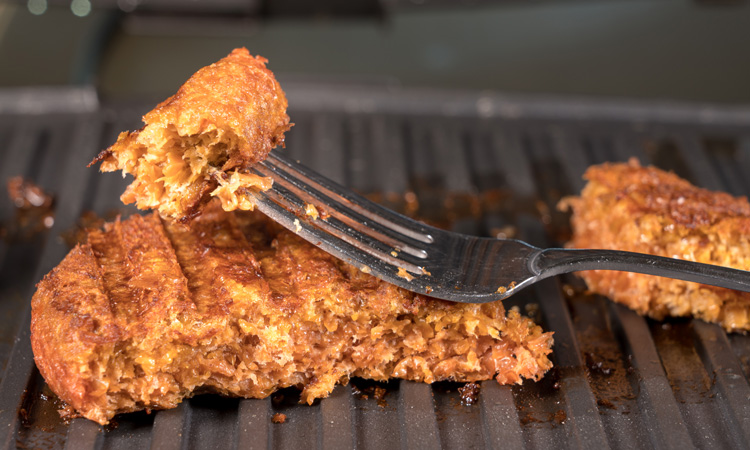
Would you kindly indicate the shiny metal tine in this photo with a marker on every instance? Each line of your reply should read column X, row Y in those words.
column 328, row 206
column 361, row 205
column 333, row 235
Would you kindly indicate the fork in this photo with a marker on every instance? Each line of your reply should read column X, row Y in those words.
column 435, row 262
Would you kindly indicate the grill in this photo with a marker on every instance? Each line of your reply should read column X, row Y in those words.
column 485, row 162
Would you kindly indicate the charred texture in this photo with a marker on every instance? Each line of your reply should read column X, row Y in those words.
column 148, row 312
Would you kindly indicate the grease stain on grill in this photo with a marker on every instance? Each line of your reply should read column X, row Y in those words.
column 685, row 371
column 541, row 404
column 41, row 424
column 440, row 208
column 608, row 368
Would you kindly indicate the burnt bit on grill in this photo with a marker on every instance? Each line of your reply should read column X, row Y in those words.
column 469, row 393
column 34, row 210
column 596, row 365
column 368, row 389
column 278, row 418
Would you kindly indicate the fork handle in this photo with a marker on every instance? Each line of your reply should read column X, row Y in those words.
column 556, row 261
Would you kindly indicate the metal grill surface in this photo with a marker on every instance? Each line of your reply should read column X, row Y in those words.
column 478, row 163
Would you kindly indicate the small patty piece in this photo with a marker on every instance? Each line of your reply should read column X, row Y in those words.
column 149, row 312
column 647, row 210
column 201, row 141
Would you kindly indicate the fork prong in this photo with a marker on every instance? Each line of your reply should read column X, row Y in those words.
column 370, row 210
column 343, row 211
column 334, row 232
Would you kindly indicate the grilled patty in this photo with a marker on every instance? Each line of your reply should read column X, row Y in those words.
column 647, row 210
column 147, row 312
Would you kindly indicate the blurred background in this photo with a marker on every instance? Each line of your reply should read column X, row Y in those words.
column 694, row 50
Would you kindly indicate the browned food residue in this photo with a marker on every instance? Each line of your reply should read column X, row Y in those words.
column 469, row 393
column 364, row 390
column 278, row 418
column 311, row 211
column 34, row 210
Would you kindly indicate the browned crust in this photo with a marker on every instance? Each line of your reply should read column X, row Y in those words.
column 647, row 210
column 237, row 101
column 148, row 312
column 237, row 93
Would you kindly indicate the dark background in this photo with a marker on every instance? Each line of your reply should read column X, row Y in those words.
column 666, row 49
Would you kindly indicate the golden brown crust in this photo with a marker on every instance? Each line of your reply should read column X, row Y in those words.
column 200, row 142
column 149, row 312
column 647, row 210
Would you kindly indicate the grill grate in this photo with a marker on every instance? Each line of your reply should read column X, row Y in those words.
column 619, row 380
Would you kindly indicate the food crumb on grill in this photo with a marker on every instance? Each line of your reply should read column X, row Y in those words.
column 311, row 211
column 297, row 226
column 377, row 393
column 365, row 269
column 404, row 274
column 24, row 194
column 425, row 272
column 67, row 412
column 596, row 365
column 469, row 393
column 502, row 290
column 560, row 416
column 278, row 418
column 394, row 253
column 34, row 210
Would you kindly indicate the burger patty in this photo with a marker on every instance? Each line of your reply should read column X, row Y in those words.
column 647, row 210
column 148, row 312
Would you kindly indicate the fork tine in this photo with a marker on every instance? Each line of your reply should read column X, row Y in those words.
column 281, row 205
column 370, row 210
column 343, row 212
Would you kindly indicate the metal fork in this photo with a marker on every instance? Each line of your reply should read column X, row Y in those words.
column 439, row 263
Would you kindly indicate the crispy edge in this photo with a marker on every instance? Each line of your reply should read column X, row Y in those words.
column 70, row 319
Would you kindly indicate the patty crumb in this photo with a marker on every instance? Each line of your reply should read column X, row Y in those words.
column 311, row 211
column 404, row 274
column 278, row 418
column 469, row 393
